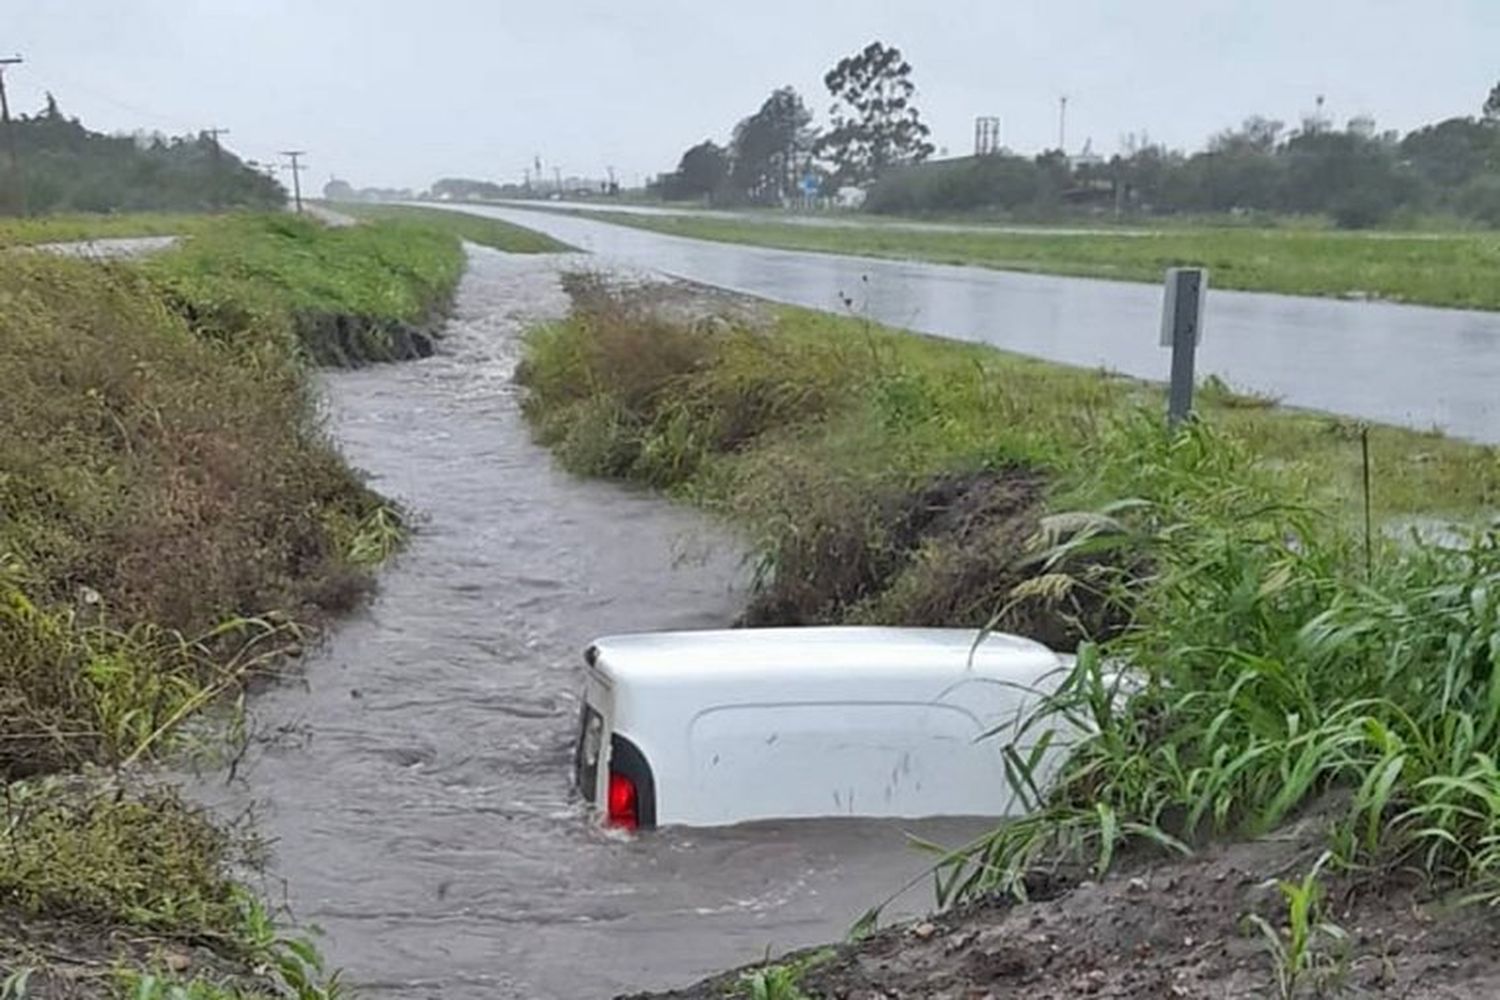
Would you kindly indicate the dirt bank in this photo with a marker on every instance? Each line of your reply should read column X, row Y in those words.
column 1162, row 929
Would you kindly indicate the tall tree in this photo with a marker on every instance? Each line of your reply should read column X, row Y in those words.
column 771, row 147
column 875, row 125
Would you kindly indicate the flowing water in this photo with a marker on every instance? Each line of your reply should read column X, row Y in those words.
column 416, row 790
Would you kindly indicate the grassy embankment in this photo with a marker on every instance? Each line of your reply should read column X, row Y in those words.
column 886, row 477
column 172, row 522
column 474, row 228
column 1440, row 269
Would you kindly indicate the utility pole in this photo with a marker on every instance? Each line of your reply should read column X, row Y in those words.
column 296, row 169
column 557, row 176
column 1062, row 123
column 213, row 136
column 10, row 137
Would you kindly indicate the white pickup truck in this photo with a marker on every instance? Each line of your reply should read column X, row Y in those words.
column 718, row 727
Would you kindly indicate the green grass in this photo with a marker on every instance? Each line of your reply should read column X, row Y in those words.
column 474, row 228
column 1273, row 660
column 350, row 294
column 74, row 228
column 1440, row 269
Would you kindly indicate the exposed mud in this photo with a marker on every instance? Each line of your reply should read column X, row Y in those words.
column 1166, row 929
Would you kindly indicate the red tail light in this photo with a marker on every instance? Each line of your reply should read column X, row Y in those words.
column 624, row 809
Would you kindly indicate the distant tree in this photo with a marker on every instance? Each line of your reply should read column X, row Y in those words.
column 1257, row 135
column 702, row 171
column 1356, row 179
column 1492, row 104
column 68, row 168
column 1450, row 153
column 771, row 147
column 875, row 125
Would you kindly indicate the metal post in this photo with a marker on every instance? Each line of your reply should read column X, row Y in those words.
column 1181, row 326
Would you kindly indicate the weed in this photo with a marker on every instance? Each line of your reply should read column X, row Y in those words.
column 1308, row 949
column 772, row 982
column 16, row 986
column 781, row 980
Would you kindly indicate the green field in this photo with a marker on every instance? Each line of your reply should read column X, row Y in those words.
column 1281, row 656
column 1441, row 269
column 473, row 228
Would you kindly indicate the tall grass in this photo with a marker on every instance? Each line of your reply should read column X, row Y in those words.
column 1269, row 668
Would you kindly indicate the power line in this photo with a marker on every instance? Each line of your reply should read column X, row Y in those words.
column 296, row 169
column 10, row 137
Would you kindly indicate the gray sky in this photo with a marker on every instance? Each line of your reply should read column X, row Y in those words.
column 400, row 92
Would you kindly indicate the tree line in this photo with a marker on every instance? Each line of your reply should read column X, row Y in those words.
column 65, row 167
column 776, row 155
column 1355, row 175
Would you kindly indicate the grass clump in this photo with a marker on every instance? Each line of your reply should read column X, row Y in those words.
column 105, row 855
column 133, row 884
column 1439, row 269
column 473, row 228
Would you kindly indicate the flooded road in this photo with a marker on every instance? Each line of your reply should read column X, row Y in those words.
column 1409, row 365
column 416, row 788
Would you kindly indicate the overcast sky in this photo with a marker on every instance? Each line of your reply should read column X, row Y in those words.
column 396, row 92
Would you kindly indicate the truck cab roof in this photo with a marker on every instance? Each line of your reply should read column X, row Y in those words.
column 797, row 656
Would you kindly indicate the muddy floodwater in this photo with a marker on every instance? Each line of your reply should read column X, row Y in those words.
column 415, row 786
